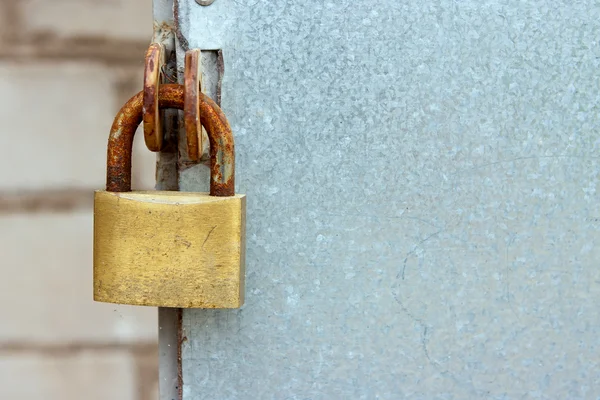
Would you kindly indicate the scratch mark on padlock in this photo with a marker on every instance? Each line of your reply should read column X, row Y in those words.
column 186, row 243
column 207, row 236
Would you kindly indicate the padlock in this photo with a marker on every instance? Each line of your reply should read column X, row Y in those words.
column 170, row 249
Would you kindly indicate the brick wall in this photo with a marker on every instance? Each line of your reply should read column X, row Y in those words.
column 66, row 67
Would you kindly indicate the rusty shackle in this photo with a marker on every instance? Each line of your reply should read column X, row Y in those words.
column 120, row 142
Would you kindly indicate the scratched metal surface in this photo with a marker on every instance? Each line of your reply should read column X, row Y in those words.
column 423, row 215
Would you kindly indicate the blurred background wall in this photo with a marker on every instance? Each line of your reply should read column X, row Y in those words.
column 66, row 67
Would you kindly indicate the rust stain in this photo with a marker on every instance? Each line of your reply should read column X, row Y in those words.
column 221, row 72
column 180, row 337
column 120, row 142
column 183, row 42
column 162, row 30
column 183, row 165
column 155, row 60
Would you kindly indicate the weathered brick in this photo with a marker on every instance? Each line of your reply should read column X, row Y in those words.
column 83, row 375
column 46, row 290
column 56, row 118
column 122, row 19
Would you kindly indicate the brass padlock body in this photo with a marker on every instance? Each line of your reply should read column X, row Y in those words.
column 169, row 249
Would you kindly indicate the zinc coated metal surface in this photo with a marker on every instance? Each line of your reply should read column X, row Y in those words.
column 423, row 216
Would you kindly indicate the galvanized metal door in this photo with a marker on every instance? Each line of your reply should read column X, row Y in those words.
column 422, row 200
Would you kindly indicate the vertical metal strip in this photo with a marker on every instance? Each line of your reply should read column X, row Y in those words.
column 169, row 368
column 212, row 75
column 167, row 178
